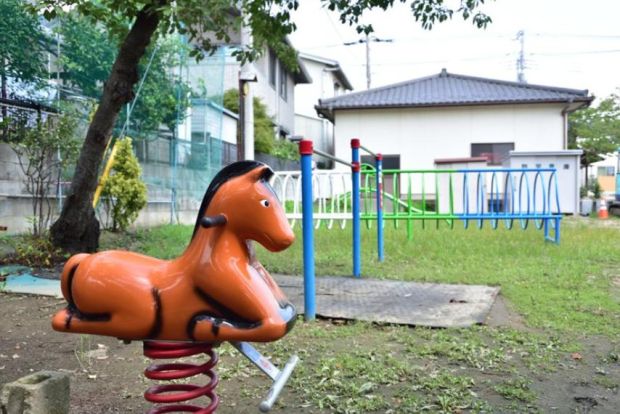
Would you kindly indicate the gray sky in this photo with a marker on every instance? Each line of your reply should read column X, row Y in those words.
column 568, row 43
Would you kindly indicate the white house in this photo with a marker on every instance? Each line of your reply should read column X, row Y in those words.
column 451, row 116
column 328, row 81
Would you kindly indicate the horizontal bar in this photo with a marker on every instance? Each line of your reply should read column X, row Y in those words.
column 508, row 170
column 322, row 216
column 331, row 157
column 489, row 170
column 368, row 151
column 432, row 216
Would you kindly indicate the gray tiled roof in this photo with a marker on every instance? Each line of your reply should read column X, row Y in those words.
column 448, row 89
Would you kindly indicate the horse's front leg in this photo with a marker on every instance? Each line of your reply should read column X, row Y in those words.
column 212, row 329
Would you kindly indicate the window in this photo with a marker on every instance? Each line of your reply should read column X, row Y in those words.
column 605, row 171
column 337, row 90
column 495, row 152
column 272, row 68
column 283, row 82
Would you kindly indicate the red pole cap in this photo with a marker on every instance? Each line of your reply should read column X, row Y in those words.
column 305, row 147
column 355, row 143
column 379, row 156
column 355, row 166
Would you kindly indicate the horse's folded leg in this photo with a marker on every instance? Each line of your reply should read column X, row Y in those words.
column 213, row 330
column 62, row 320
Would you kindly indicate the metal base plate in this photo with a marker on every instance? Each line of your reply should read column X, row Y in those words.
column 389, row 301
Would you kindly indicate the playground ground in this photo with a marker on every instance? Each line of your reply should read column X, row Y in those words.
column 552, row 343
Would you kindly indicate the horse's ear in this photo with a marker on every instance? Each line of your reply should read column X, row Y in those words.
column 263, row 173
column 213, row 221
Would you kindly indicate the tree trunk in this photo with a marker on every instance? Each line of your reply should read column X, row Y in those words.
column 77, row 228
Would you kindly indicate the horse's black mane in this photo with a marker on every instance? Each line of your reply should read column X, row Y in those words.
column 233, row 170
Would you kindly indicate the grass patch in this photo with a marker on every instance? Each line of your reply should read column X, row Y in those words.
column 516, row 389
column 486, row 349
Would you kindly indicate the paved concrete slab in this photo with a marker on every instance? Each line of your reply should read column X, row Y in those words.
column 388, row 301
column 19, row 279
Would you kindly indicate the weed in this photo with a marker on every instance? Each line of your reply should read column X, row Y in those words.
column 36, row 251
column 516, row 389
column 606, row 382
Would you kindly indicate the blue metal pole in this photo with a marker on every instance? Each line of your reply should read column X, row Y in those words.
column 618, row 177
column 379, row 172
column 355, row 203
column 305, row 150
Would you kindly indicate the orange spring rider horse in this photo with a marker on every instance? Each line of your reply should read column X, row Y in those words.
column 215, row 291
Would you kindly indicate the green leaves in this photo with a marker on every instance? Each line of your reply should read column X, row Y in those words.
column 596, row 130
column 21, row 48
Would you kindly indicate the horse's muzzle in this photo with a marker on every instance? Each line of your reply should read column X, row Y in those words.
column 288, row 313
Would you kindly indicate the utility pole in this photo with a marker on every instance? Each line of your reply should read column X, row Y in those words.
column 245, row 126
column 521, row 58
column 367, row 62
column 367, row 41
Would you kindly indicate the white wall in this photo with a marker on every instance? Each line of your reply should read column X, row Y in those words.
column 229, row 129
column 322, row 86
column 307, row 121
column 422, row 135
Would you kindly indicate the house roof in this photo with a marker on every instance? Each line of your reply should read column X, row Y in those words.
column 332, row 65
column 448, row 89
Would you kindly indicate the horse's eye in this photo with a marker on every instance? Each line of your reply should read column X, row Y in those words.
column 265, row 203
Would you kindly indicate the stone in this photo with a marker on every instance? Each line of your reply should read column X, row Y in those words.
column 44, row 392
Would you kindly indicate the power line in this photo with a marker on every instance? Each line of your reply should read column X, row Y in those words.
column 596, row 36
column 367, row 41
column 583, row 52
column 335, row 27
column 419, row 62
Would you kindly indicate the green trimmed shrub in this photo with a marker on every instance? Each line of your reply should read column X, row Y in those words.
column 124, row 192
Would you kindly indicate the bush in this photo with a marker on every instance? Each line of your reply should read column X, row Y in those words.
column 596, row 189
column 124, row 192
column 286, row 150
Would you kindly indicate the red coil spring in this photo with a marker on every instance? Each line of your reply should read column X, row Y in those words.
column 173, row 394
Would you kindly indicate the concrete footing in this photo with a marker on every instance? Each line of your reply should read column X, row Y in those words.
column 44, row 392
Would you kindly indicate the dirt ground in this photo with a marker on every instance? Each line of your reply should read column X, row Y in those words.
column 106, row 375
